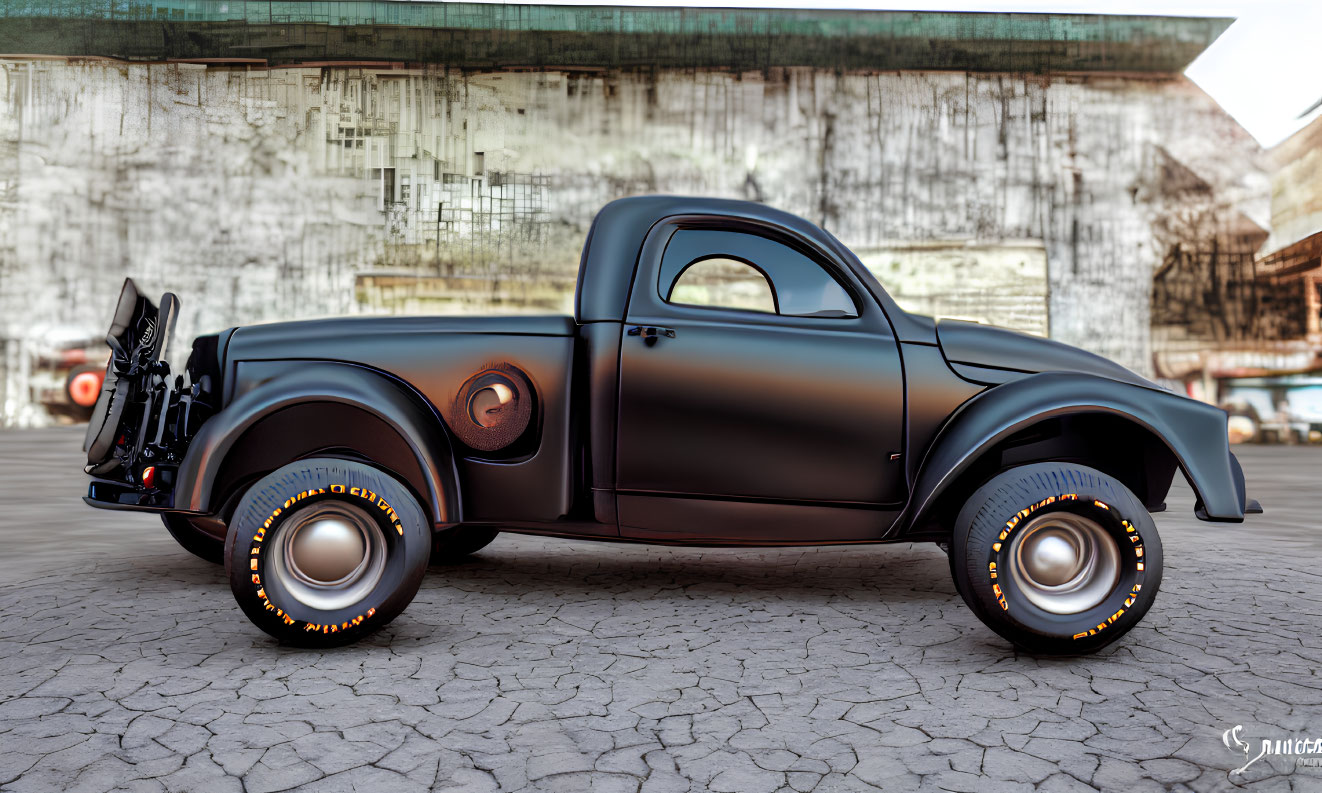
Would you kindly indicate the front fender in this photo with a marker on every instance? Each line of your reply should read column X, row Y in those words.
column 1193, row 431
column 286, row 386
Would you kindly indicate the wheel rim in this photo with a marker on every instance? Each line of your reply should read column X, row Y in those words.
column 329, row 555
column 1064, row 563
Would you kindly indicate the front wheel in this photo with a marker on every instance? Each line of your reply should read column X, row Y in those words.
column 1059, row 559
column 323, row 552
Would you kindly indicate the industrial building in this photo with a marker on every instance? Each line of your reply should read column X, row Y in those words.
column 1052, row 173
column 1258, row 348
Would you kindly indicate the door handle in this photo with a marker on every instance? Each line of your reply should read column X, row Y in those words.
column 650, row 333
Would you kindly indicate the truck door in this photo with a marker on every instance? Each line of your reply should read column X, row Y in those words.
column 761, row 393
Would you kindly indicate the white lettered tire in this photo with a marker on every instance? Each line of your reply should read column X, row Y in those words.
column 324, row 551
column 1058, row 558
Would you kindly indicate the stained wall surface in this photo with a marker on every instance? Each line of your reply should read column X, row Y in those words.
column 260, row 194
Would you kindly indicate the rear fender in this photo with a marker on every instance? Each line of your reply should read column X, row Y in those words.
column 1194, row 432
column 281, row 386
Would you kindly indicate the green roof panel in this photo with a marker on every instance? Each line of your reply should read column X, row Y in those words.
column 479, row 35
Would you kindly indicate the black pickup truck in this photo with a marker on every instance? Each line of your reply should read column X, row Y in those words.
column 732, row 375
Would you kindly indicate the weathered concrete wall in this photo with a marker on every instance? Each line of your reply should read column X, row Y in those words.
column 1296, row 191
column 261, row 194
column 1002, row 283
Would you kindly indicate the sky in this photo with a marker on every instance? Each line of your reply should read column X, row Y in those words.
column 1264, row 70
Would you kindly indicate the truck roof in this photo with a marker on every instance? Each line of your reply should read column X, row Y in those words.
column 610, row 253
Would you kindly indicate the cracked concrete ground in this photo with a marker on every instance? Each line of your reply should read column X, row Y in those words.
column 557, row 665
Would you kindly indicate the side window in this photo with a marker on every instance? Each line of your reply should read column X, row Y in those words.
column 730, row 269
column 722, row 282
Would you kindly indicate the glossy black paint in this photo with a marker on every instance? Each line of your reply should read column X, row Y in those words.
column 750, row 405
column 933, row 392
column 285, row 395
column 703, row 521
column 975, row 348
column 1194, row 433
column 599, row 356
column 434, row 356
column 661, row 422
column 616, row 238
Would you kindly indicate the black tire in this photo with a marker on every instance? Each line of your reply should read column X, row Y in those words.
column 1005, row 597
column 264, row 574
column 456, row 545
column 193, row 538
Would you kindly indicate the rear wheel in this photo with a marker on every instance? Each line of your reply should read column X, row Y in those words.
column 323, row 552
column 194, row 537
column 1057, row 558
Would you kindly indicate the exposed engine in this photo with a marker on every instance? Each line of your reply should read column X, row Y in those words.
column 144, row 417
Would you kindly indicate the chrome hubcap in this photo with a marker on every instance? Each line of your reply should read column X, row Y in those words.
column 327, row 551
column 1064, row 563
column 329, row 555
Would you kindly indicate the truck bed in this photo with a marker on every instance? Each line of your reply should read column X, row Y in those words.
column 435, row 355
